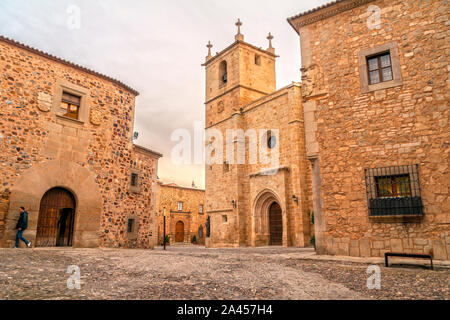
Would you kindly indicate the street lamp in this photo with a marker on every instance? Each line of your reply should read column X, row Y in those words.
column 164, row 227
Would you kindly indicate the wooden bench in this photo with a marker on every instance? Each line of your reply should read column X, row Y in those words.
column 407, row 255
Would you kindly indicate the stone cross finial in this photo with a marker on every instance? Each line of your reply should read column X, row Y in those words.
column 239, row 24
column 209, row 46
column 270, row 38
column 239, row 36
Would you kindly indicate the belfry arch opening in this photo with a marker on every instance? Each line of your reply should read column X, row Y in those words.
column 56, row 219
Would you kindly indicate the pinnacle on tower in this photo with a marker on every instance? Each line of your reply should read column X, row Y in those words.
column 270, row 38
column 239, row 36
column 209, row 46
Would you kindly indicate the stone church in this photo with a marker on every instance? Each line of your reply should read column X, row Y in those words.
column 363, row 139
column 67, row 155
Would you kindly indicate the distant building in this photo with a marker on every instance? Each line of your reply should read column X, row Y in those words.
column 185, row 214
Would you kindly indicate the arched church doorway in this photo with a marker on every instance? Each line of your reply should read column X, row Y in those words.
column 275, row 225
column 179, row 232
column 56, row 219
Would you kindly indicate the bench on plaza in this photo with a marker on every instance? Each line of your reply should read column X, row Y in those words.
column 407, row 255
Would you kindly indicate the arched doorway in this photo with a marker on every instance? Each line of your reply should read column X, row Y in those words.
column 275, row 225
column 179, row 232
column 56, row 219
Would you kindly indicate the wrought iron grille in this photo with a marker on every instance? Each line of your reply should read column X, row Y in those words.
column 393, row 191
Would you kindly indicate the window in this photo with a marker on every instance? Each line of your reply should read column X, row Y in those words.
column 393, row 186
column 134, row 179
column 200, row 232
column 71, row 105
column 130, row 227
column 224, row 218
column 394, row 191
column 180, row 206
column 223, row 73
column 379, row 68
column 200, row 209
column 257, row 60
column 271, row 139
column 226, row 167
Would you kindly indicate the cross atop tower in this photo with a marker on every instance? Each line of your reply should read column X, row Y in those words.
column 270, row 38
column 239, row 36
column 209, row 46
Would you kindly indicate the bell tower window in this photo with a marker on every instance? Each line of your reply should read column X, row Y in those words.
column 223, row 73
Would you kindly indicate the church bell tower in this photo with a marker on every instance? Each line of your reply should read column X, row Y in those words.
column 236, row 76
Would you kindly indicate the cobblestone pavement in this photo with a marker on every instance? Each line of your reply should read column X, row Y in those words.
column 199, row 273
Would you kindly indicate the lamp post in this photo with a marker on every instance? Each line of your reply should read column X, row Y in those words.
column 164, row 227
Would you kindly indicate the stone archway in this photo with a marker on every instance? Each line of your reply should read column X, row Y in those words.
column 56, row 219
column 31, row 186
column 268, row 220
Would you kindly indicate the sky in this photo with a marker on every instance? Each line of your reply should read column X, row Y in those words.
column 157, row 47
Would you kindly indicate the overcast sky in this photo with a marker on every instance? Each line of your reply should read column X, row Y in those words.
column 157, row 47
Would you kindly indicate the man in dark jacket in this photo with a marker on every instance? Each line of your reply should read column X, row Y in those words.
column 21, row 226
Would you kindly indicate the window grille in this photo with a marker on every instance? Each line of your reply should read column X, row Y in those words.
column 393, row 191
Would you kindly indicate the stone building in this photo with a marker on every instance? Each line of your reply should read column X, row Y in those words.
column 185, row 213
column 254, row 203
column 67, row 155
column 375, row 95
column 363, row 139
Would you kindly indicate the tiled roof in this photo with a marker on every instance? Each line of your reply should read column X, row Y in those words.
column 67, row 63
column 325, row 11
column 326, row 5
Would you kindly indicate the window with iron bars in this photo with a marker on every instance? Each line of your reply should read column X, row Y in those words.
column 394, row 191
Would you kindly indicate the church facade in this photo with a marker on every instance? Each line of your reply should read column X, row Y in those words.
column 363, row 139
column 67, row 155
column 254, row 202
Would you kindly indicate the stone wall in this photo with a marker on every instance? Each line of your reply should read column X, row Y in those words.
column 41, row 149
column 190, row 215
column 353, row 130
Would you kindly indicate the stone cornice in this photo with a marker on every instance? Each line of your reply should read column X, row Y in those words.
column 323, row 12
column 238, row 42
column 147, row 151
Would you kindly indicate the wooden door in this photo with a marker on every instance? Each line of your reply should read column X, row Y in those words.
column 56, row 219
column 275, row 225
column 179, row 232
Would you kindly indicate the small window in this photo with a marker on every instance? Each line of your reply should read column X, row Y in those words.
column 258, row 60
column 380, row 68
column 224, row 218
column 134, row 179
column 226, row 167
column 271, row 140
column 200, row 209
column 180, row 206
column 71, row 105
column 130, row 227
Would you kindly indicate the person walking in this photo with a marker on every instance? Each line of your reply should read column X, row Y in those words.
column 21, row 226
